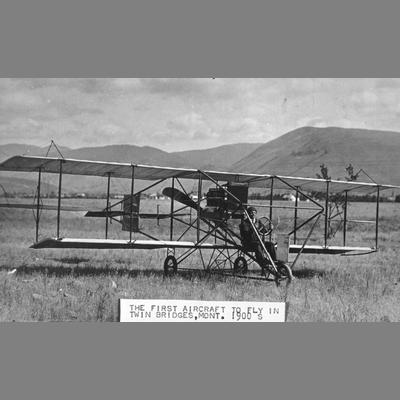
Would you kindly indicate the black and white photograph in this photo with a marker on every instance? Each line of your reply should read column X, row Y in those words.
column 168, row 161
column 199, row 189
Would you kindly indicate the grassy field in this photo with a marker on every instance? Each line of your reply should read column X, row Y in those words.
column 85, row 285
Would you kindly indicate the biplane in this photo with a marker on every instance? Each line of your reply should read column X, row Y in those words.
column 207, row 221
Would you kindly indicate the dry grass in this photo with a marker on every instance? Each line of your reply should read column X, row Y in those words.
column 85, row 285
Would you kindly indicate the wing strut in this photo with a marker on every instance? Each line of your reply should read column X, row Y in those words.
column 59, row 199
column 38, row 205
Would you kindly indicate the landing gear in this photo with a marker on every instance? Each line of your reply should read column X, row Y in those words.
column 240, row 266
column 284, row 271
column 170, row 265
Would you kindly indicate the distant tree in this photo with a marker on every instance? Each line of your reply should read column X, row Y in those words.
column 351, row 176
column 324, row 172
column 336, row 201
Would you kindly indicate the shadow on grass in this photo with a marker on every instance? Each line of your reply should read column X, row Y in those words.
column 76, row 260
column 191, row 274
column 121, row 272
column 70, row 260
column 308, row 273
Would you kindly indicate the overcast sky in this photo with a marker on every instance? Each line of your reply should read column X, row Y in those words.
column 181, row 114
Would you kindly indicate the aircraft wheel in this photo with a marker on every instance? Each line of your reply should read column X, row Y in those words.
column 170, row 265
column 285, row 272
column 240, row 266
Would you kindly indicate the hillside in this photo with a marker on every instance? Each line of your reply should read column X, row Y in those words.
column 297, row 153
column 218, row 158
column 127, row 153
column 302, row 151
column 221, row 157
column 12, row 149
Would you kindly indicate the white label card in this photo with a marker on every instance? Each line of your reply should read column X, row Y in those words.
column 137, row 310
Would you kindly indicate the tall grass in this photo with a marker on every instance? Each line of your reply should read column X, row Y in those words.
column 85, row 285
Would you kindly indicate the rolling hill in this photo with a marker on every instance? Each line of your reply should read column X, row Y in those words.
column 297, row 153
column 12, row 149
column 221, row 157
column 127, row 153
column 302, row 151
column 218, row 158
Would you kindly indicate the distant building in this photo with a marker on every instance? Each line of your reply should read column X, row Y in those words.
column 289, row 197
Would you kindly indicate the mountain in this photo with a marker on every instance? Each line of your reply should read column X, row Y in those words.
column 127, row 153
column 9, row 150
column 218, row 158
column 298, row 153
column 117, row 153
column 302, row 151
column 221, row 157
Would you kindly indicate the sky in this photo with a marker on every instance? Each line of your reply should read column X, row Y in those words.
column 182, row 114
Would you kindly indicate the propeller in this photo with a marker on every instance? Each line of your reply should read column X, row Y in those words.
column 177, row 195
column 209, row 213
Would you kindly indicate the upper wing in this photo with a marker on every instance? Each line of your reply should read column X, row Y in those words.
column 148, row 172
